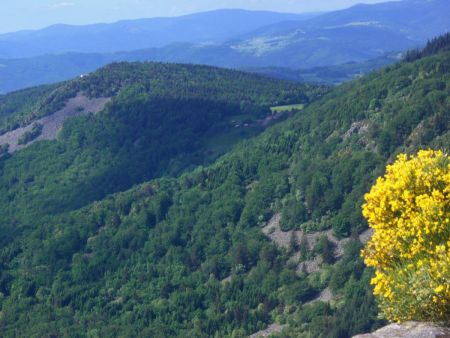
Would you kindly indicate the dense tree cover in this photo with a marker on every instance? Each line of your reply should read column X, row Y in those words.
column 438, row 44
column 360, row 125
column 163, row 119
column 158, row 80
column 155, row 260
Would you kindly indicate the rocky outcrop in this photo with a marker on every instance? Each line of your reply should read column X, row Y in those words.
column 409, row 330
column 274, row 328
column 359, row 127
column 325, row 296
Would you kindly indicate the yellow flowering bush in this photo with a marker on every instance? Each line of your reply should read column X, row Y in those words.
column 409, row 210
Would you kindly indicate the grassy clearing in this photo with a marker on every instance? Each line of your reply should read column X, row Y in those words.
column 287, row 108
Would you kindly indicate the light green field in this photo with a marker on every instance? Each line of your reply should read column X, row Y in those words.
column 287, row 108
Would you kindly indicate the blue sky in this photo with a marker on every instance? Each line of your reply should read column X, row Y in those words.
column 31, row 14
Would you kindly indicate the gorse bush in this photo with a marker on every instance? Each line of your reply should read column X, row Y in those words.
column 409, row 209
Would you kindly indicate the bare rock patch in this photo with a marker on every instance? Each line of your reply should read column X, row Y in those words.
column 409, row 330
column 274, row 328
column 52, row 124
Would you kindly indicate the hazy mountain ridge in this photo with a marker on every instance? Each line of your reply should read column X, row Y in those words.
column 17, row 73
column 330, row 75
column 357, row 34
column 354, row 34
column 210, row 27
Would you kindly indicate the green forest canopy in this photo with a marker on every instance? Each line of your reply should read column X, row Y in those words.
column 151, row 261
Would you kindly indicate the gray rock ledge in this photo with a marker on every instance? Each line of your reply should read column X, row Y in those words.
column 409, row 330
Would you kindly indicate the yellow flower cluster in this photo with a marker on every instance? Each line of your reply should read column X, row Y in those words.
column 409, row 210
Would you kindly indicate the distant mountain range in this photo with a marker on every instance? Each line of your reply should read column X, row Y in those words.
column 226, row 38
column 329, row 75
column 210, row 27
column 20, row 73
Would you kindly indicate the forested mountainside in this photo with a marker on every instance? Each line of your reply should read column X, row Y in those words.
column 187, row 256
column 162, row 119
column 157, row 81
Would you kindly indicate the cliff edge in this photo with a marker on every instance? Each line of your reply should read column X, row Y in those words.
column 409, row 330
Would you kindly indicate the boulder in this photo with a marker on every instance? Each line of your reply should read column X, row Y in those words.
column 409, row 330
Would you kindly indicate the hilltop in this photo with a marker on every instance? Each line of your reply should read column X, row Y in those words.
column 128, row 123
